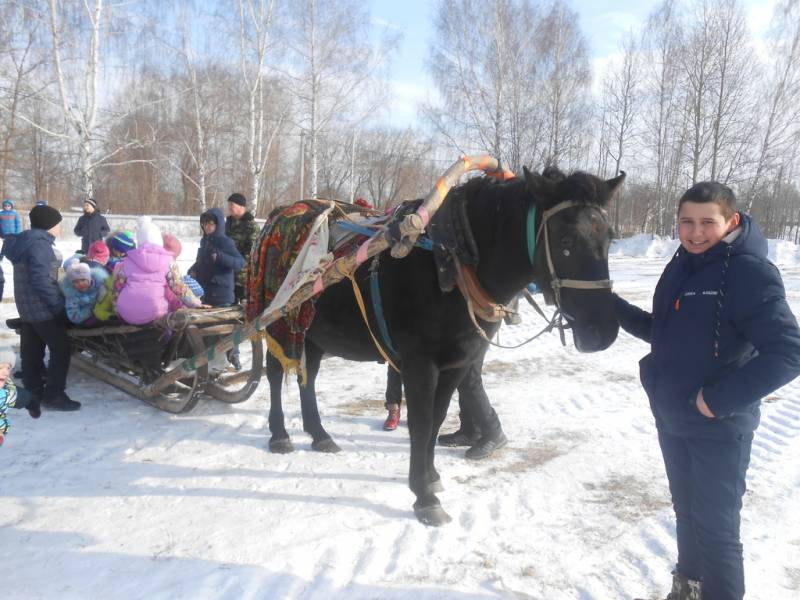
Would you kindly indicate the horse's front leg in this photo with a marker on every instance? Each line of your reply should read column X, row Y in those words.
column 420, row 378
column 279, row 442
column 447, row 383
column 312, row 422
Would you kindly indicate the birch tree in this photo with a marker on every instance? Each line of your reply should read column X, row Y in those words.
column 19, row 59
column 621, row 92
column 665, row 134
column 333, row 75
column 780, row 96
column 256, row 31
column 485, row 71
column 732, row 116
column 566, row 80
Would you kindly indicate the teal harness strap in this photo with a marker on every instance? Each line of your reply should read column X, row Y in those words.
column 531, row 227
column 377, row 308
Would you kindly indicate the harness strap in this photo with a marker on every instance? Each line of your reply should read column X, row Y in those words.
column 377, row 304
column 478, row 301
column 360, row 302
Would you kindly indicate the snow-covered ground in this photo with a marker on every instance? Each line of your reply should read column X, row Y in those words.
column 119, row 500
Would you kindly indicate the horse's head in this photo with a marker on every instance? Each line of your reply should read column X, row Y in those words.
column 571, row 256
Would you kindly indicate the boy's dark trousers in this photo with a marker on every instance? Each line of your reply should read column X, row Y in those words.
column 34, row 337
column 707, row 482
column 477, row 416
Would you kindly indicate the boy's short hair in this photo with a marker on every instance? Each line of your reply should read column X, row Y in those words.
column 711, row 191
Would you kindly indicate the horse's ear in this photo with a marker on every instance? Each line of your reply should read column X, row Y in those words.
column 540, row 187
column 615, row 184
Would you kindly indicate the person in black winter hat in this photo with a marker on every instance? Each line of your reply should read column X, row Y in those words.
column 721, row 338
column 91, row 226
column 41, row 309
column 241, row 227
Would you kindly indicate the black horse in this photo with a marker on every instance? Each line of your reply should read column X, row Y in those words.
column 432, row 331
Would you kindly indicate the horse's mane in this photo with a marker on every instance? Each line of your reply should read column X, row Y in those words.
column 583, row 187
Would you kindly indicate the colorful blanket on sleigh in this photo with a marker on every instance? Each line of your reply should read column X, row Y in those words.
column 292, row 247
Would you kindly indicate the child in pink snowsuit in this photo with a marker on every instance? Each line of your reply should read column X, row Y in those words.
column 147, row 278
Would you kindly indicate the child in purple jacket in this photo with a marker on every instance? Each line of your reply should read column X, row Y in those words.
column 146, row 279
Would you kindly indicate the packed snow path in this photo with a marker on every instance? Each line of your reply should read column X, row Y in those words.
column 121, row 501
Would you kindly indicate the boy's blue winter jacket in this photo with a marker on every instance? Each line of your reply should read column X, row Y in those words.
column 731, row 298
column 36, row 264
column 10, row 222
column 216, row 275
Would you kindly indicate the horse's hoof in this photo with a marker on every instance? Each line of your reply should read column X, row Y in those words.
column 432, row 515
column 281, row 446
column 326, row 445
column 436, row 486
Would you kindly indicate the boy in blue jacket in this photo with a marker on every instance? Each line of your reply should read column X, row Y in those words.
column 217, row 260
column 721, row 338
column 10, row 221
column 215, row 269
column 41, row 310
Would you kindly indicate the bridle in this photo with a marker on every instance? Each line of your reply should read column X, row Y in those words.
column 556, row 283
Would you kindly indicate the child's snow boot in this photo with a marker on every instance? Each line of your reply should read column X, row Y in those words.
column 393, row 418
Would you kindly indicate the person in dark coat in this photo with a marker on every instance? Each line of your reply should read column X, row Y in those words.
column 479, row 427
column 721, row 338
column 41, row 310
column 241, row 227
column 91, row 226
column 217, row 261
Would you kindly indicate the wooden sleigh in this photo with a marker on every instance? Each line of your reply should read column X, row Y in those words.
column 130, row 357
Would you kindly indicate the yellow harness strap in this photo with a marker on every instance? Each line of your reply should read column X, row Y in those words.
column 360, row 302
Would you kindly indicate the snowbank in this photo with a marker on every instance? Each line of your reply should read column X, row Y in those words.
column 781, row 252
column 644, row 244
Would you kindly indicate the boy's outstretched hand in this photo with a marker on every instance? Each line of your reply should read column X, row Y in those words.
column 2, row 439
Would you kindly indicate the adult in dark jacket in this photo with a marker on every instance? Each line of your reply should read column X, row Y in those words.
column 241, row 227
column 721, row 337
column 91, row 226
column 41, row 309
column 217, row 260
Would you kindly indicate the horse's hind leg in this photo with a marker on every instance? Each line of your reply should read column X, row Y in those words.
column 312, row 422
column 279, row 441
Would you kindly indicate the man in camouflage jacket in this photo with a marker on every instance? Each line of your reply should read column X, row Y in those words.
column 241, row 227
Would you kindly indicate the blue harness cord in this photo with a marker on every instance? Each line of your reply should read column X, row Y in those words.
column 377, row 307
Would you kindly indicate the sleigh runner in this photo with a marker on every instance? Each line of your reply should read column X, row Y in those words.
column 129, row 357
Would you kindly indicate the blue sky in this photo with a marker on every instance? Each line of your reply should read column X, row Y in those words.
column 603, row 23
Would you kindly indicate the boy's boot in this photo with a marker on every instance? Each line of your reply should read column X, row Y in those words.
column 459, row 438
column 684, row 588
column 486, row 446
column 34, row 405
column 59, row 401
column 393, row 418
